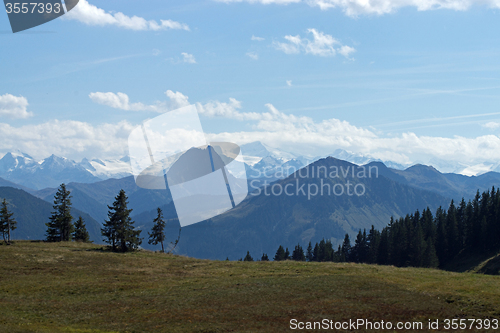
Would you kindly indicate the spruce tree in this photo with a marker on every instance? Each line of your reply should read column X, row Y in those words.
column 316, row 254
column 7, row 223
column 264, row 257
column 383, row 249
column 373, row 240
column 157, row 235
column 119, row 229
column 298, row 253
column 280, row 254
column 60, row 226
column 248, row 257
column 81, row 234
column 287, row 254
column 430, row 259
column 346, row 248
column 309, row 254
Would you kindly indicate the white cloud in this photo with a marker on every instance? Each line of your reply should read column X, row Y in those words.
column 355, row 8
column 92, row 15
column 346, row 50
column 289, row 83
column 226, row 110
column 14, row 107
column 189, row 58
column 305, row 136
column 72, row 139
column 253, row 55
column 321, row 45
column 156, row 52
column 299, row 134
column 177, row 99
column 122, row 101
column 258, row 39
column 492, row 125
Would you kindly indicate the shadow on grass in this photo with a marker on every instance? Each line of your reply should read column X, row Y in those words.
column 488, row 263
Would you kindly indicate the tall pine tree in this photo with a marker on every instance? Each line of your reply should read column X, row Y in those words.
column 157, row 235
column 7, row 223
column 60, row 226
column 119, row 229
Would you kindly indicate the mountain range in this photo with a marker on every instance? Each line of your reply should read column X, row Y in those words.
column 261, row 222
column 261, row 160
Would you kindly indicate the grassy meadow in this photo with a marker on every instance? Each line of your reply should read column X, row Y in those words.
column 74, row 287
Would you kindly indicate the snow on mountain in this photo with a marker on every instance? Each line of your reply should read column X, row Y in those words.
column 254, row 152
column 359, row 159
column 15, row 160
column 106, row 169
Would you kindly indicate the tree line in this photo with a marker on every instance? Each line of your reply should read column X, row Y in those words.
column 420, row 239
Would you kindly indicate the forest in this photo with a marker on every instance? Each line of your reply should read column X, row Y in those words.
column 421, row 239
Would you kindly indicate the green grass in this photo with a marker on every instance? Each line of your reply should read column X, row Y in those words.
column 80, row 288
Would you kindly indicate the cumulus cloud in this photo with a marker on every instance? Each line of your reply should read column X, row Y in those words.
column 492, row 125
column 189, row 58
column 299, row 134
column 309, row 137
column 121, row 101
column 305, row 136
column 14, row 107
column 92, row 15
column 355, row 8
column 70, row 139
column 322, row 45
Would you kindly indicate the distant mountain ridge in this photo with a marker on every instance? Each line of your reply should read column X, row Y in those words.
column 22, row 169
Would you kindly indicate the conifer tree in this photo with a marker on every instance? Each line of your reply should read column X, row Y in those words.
column 157, row 235
column 280, row 254
column 309, row 254
column 316, row 253
column 81, row 234
column 248, row 257
column 119, row 229
column 60, row 226
column 298, row 253
column 7, row 223
column 383, row 250
column 430, row 259
column 264, row 257
column 346, row 248
column 373, row 240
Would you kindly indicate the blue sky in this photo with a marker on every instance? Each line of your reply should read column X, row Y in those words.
column 388, row 80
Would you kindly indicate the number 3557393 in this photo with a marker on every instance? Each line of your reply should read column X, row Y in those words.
column 33, row 7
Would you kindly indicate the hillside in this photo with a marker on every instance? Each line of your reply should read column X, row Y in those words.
column 73, row 287
column 32, row 213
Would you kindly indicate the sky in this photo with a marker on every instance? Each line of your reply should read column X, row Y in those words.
column 409, row 81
